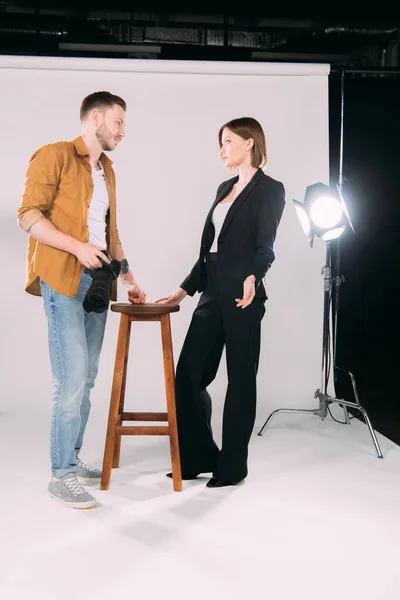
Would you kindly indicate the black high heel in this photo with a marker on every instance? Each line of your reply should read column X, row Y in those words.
column 216, row 483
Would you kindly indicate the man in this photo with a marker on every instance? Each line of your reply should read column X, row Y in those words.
column 68, row 208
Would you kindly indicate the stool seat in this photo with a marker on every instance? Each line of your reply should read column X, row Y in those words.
column 151, row 308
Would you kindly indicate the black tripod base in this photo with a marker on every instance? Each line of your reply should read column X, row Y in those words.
column 324, row 401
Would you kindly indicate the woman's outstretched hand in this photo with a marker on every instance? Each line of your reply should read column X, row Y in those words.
column 249, row 291
column 175, row 298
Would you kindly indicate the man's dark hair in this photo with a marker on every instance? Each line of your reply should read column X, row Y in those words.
column 100, row 100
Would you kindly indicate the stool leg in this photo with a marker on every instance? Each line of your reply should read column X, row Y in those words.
column 169, row 376
column 120, row 357
column 117, row 444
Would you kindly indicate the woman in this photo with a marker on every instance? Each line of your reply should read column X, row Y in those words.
column 235, row 253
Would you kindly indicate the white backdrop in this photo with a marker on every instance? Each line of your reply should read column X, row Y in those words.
column 168, row 169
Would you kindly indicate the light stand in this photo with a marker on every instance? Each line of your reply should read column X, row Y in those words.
column 331, row 281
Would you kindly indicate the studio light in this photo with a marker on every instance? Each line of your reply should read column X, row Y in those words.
column 324, row 214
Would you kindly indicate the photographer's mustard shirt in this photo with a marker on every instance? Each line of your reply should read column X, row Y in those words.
column 59, row 187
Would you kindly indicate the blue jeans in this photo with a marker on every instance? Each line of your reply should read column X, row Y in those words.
column 75, row 340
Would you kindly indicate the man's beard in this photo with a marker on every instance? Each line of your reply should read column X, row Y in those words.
column 103, row 134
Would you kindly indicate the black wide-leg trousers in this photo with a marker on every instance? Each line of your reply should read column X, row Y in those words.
column 217, row 322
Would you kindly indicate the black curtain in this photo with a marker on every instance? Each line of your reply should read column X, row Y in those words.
column 367, row 342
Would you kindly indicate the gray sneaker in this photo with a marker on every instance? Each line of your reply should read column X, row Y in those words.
column 86, row 473
column 69, row 491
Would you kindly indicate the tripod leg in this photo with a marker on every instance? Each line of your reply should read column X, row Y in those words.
column 372, row 432
column 346, row 415
column 285, row 410
column 346, row 404
column 271, row 416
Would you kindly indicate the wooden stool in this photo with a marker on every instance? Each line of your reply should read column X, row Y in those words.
column 115, row 429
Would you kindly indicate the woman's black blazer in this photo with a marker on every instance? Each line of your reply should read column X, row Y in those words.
column 246, row 240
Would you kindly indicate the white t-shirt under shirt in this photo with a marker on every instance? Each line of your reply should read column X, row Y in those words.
column 98, row 209
column 218, row 218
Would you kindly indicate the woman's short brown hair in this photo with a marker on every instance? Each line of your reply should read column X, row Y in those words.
column 246, row 128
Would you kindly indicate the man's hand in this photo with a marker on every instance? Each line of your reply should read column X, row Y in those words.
column 88, row 255
column 175, row 298
column 135, row 294
column 249, row 291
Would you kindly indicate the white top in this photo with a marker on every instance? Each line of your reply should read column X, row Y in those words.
column 218, row 218
column 98, row 209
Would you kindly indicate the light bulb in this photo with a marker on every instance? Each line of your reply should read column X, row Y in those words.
column 326, row 212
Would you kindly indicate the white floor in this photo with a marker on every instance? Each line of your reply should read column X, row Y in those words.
column 317, row 518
